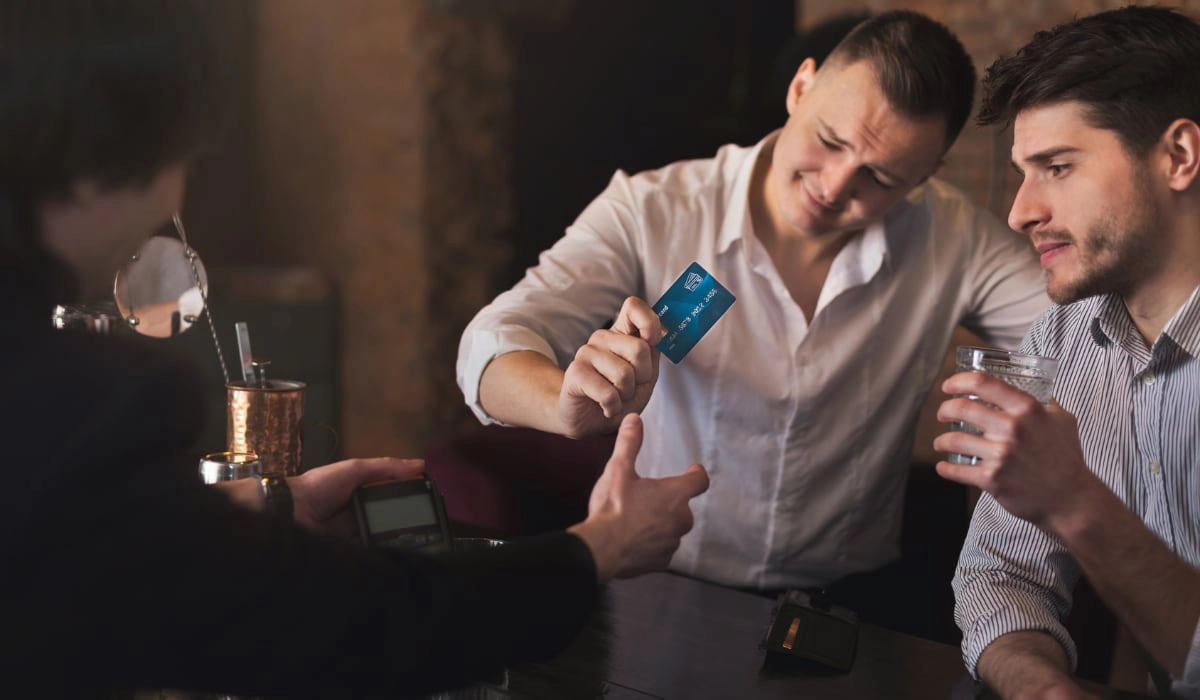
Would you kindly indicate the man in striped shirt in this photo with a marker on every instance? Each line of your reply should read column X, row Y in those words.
column 1105, row 481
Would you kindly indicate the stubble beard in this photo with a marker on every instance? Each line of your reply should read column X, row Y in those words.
column 1118, row 254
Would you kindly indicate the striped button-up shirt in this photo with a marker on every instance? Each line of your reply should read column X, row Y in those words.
column 1138, row 411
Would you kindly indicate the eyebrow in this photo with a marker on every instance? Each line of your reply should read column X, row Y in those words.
column 1044, row 157
column 899, row 181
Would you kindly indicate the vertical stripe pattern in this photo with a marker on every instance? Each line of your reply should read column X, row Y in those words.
column 1138, row 411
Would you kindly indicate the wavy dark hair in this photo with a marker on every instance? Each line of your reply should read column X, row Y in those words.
column 923, row 69
column 105, row 90
column 1134, row 70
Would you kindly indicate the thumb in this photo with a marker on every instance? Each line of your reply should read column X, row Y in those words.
column 625, row 451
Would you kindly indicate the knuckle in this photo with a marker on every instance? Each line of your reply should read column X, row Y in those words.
column 972, row 380
column 1027, row 408
column 1008, row 427
column 1001, row 453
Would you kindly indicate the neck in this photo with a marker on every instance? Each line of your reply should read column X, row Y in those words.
column 1152, row 306
column 1177, row 274
column 775, row 233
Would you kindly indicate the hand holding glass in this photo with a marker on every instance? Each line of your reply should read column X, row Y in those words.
column 1032, row 374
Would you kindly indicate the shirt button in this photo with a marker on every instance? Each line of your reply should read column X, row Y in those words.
column 1148, row 378
column 1154, row 467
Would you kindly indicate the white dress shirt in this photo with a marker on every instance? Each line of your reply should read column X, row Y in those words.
column 805, row 428
column 1138, row 412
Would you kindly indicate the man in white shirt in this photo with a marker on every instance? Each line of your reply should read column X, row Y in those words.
column 851, row 268
column 1104, row 480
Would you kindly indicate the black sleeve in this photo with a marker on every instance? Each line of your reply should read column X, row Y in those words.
column 130, row 574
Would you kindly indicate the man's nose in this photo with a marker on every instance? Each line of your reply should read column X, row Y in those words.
column 839, row 184
column 1029, row 209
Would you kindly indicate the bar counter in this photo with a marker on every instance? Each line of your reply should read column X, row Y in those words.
column 668, row 636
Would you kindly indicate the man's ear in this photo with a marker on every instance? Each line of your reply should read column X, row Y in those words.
column 1181, row 141
column 801, row 83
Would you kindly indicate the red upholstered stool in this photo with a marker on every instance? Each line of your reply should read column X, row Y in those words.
column 505, row 482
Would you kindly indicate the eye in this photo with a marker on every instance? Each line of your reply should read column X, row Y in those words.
column 827, row 144
column 1057, row 169
column 880, row 183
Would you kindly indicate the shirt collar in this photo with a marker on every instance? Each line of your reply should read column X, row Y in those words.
column 1110, row 320
column 1111, row 323
column 737, row 219
column 1184, row 326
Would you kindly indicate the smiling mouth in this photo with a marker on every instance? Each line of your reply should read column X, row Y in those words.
column 820, row 206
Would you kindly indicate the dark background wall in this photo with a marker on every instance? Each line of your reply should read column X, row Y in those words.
column 632, row 85
column 417, row 156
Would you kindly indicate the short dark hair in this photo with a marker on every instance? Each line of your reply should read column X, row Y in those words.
column 107, row 90
column 1133, row 69
column 922, row 67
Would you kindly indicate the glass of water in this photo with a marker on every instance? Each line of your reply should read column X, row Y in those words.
column 1032, row 374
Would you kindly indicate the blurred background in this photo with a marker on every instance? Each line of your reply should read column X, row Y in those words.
column 394, row 164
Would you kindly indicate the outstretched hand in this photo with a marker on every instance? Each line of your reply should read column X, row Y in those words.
column 320, row 495
column 634, row 525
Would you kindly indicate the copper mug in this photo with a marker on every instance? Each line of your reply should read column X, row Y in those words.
column 266, row 418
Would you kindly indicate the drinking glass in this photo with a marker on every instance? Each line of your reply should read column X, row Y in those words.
column 1032, row 374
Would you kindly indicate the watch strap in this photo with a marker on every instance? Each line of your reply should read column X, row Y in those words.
column 277, row 496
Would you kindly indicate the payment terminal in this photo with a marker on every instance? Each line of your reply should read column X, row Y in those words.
column 408, row 514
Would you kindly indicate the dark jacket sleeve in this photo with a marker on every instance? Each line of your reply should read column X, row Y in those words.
column 127, row 573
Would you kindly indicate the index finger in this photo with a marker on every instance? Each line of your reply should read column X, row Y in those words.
column 639, row 320
column 995, row 391
column 376, row 469
column 695, row 480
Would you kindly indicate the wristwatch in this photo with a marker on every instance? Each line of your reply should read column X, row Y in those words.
column 277, row 496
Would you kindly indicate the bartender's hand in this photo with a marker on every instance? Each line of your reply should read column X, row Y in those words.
column 321, row 494
column 613, row 375
column 634, row 524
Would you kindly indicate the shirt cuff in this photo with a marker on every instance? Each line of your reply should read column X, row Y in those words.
column 483, row 346
column 1019, row 616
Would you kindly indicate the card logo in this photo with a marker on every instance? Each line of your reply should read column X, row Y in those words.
column 693, row 280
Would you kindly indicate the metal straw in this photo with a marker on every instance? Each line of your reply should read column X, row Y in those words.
column 243, row 340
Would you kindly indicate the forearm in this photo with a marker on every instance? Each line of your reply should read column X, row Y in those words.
column 1024, row 663
column 1152, row 591
column 601, row 544
column 522, row 388
column 257, row 586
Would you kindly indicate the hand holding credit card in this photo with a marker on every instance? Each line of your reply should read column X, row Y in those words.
column 688, row 309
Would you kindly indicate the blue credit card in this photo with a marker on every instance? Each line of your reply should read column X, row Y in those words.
column 689, row 309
